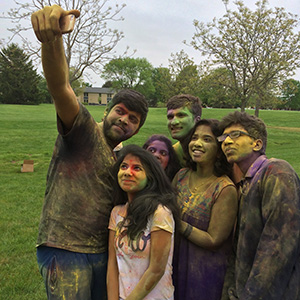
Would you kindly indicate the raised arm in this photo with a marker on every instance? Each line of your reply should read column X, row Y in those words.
column 46, row 26
column 221, row 223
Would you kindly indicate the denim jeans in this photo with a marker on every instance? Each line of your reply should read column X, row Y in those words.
column 71, row 275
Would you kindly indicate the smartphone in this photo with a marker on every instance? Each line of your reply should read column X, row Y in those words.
column 67, row 23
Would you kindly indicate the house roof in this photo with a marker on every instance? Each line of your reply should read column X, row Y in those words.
column 99, row 90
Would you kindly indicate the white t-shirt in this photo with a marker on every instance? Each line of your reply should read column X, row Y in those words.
column 133, row 257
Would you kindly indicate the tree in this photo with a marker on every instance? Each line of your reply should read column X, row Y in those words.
column 43, row 87
column 163, row 85
column 259, row 47
column 19, row 81
column 178, row 62
column 130, row 73
column 184, row 73
column 90, row 45
column 291, row 94
column 215, row 89
column 187, row 81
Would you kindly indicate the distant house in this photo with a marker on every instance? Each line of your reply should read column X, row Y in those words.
column 96, row 95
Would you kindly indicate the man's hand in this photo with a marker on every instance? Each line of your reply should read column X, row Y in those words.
column 46, row 22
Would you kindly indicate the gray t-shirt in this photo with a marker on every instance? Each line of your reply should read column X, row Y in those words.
column 78, row 197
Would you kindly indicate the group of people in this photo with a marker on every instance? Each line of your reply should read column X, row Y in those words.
column 210, row 217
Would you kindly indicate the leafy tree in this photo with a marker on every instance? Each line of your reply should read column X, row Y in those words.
column 259, row 47
column 90, row 45
column 77, row 85
column 42, row 85
column 187, row 81
column 178, row 62
column 184, row 73
column 131, row 73
column 107, row 84
column 291, row 94
column 215, row 89
column 19, row 81
column 163, row 85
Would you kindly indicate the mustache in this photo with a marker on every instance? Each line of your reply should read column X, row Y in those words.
column 119, row 124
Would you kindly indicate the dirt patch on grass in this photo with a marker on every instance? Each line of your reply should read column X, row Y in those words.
column 295, row 129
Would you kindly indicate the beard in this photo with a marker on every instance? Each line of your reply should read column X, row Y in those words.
column 112, row 138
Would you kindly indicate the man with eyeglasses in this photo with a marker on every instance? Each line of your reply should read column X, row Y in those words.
column 266, row 260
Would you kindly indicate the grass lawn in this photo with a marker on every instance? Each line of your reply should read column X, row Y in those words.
column 29, row 132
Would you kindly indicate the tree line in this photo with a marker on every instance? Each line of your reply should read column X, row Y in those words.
column 20, row 82
column 248, row 57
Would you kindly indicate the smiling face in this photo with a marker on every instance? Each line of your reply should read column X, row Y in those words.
column 180, row 122
column 160, row 150
column 132, row 175
column 203, row 147
column 120, row 124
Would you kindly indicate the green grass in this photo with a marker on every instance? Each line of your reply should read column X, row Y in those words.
column 29, row 132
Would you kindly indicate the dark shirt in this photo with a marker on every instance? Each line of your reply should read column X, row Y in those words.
column 78, row 198
column 198, row 272
column 267, row 263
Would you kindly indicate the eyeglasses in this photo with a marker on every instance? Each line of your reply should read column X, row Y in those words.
column 233, row 135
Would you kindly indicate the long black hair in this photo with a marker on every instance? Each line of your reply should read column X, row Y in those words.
column 158, row 190
column 173, row 163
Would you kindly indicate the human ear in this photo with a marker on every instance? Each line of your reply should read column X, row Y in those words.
column 258, row 144
column 198, row 118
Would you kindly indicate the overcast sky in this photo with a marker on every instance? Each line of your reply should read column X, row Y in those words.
column 157, row 28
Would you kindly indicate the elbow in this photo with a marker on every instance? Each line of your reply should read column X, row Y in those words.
column 214, row 247
column 158, row 274
column 215, row 244
column 155, row 277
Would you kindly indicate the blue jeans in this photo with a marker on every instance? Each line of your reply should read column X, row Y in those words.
column 71, row 275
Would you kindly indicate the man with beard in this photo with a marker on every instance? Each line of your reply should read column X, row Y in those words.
column 73, row 231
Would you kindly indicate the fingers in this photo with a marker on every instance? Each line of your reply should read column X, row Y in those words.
column 74, row 12
column 45, row 22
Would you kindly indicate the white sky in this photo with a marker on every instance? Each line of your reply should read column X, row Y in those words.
column 157, row 28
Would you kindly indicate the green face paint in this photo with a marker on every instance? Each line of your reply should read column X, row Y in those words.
column 132, row 175
column 180, row 122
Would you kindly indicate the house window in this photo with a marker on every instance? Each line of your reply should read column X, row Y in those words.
column 86, row 97
column 109, row 97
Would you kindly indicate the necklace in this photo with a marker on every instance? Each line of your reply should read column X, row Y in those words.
column 197, row 184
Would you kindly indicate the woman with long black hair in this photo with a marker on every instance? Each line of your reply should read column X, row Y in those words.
column 141, row 228
column 208, row 201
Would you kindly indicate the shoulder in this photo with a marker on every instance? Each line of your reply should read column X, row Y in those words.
column 224, row 179
column 83, row 114
column 84, row 122
column 119, row 210
column 275, row 164
column 225, row 185
column 277, row 169
column 183, row 173
column 163, row 219
column 162, row 210
column 177, row 146
column 223, row 182
column 180, row 176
